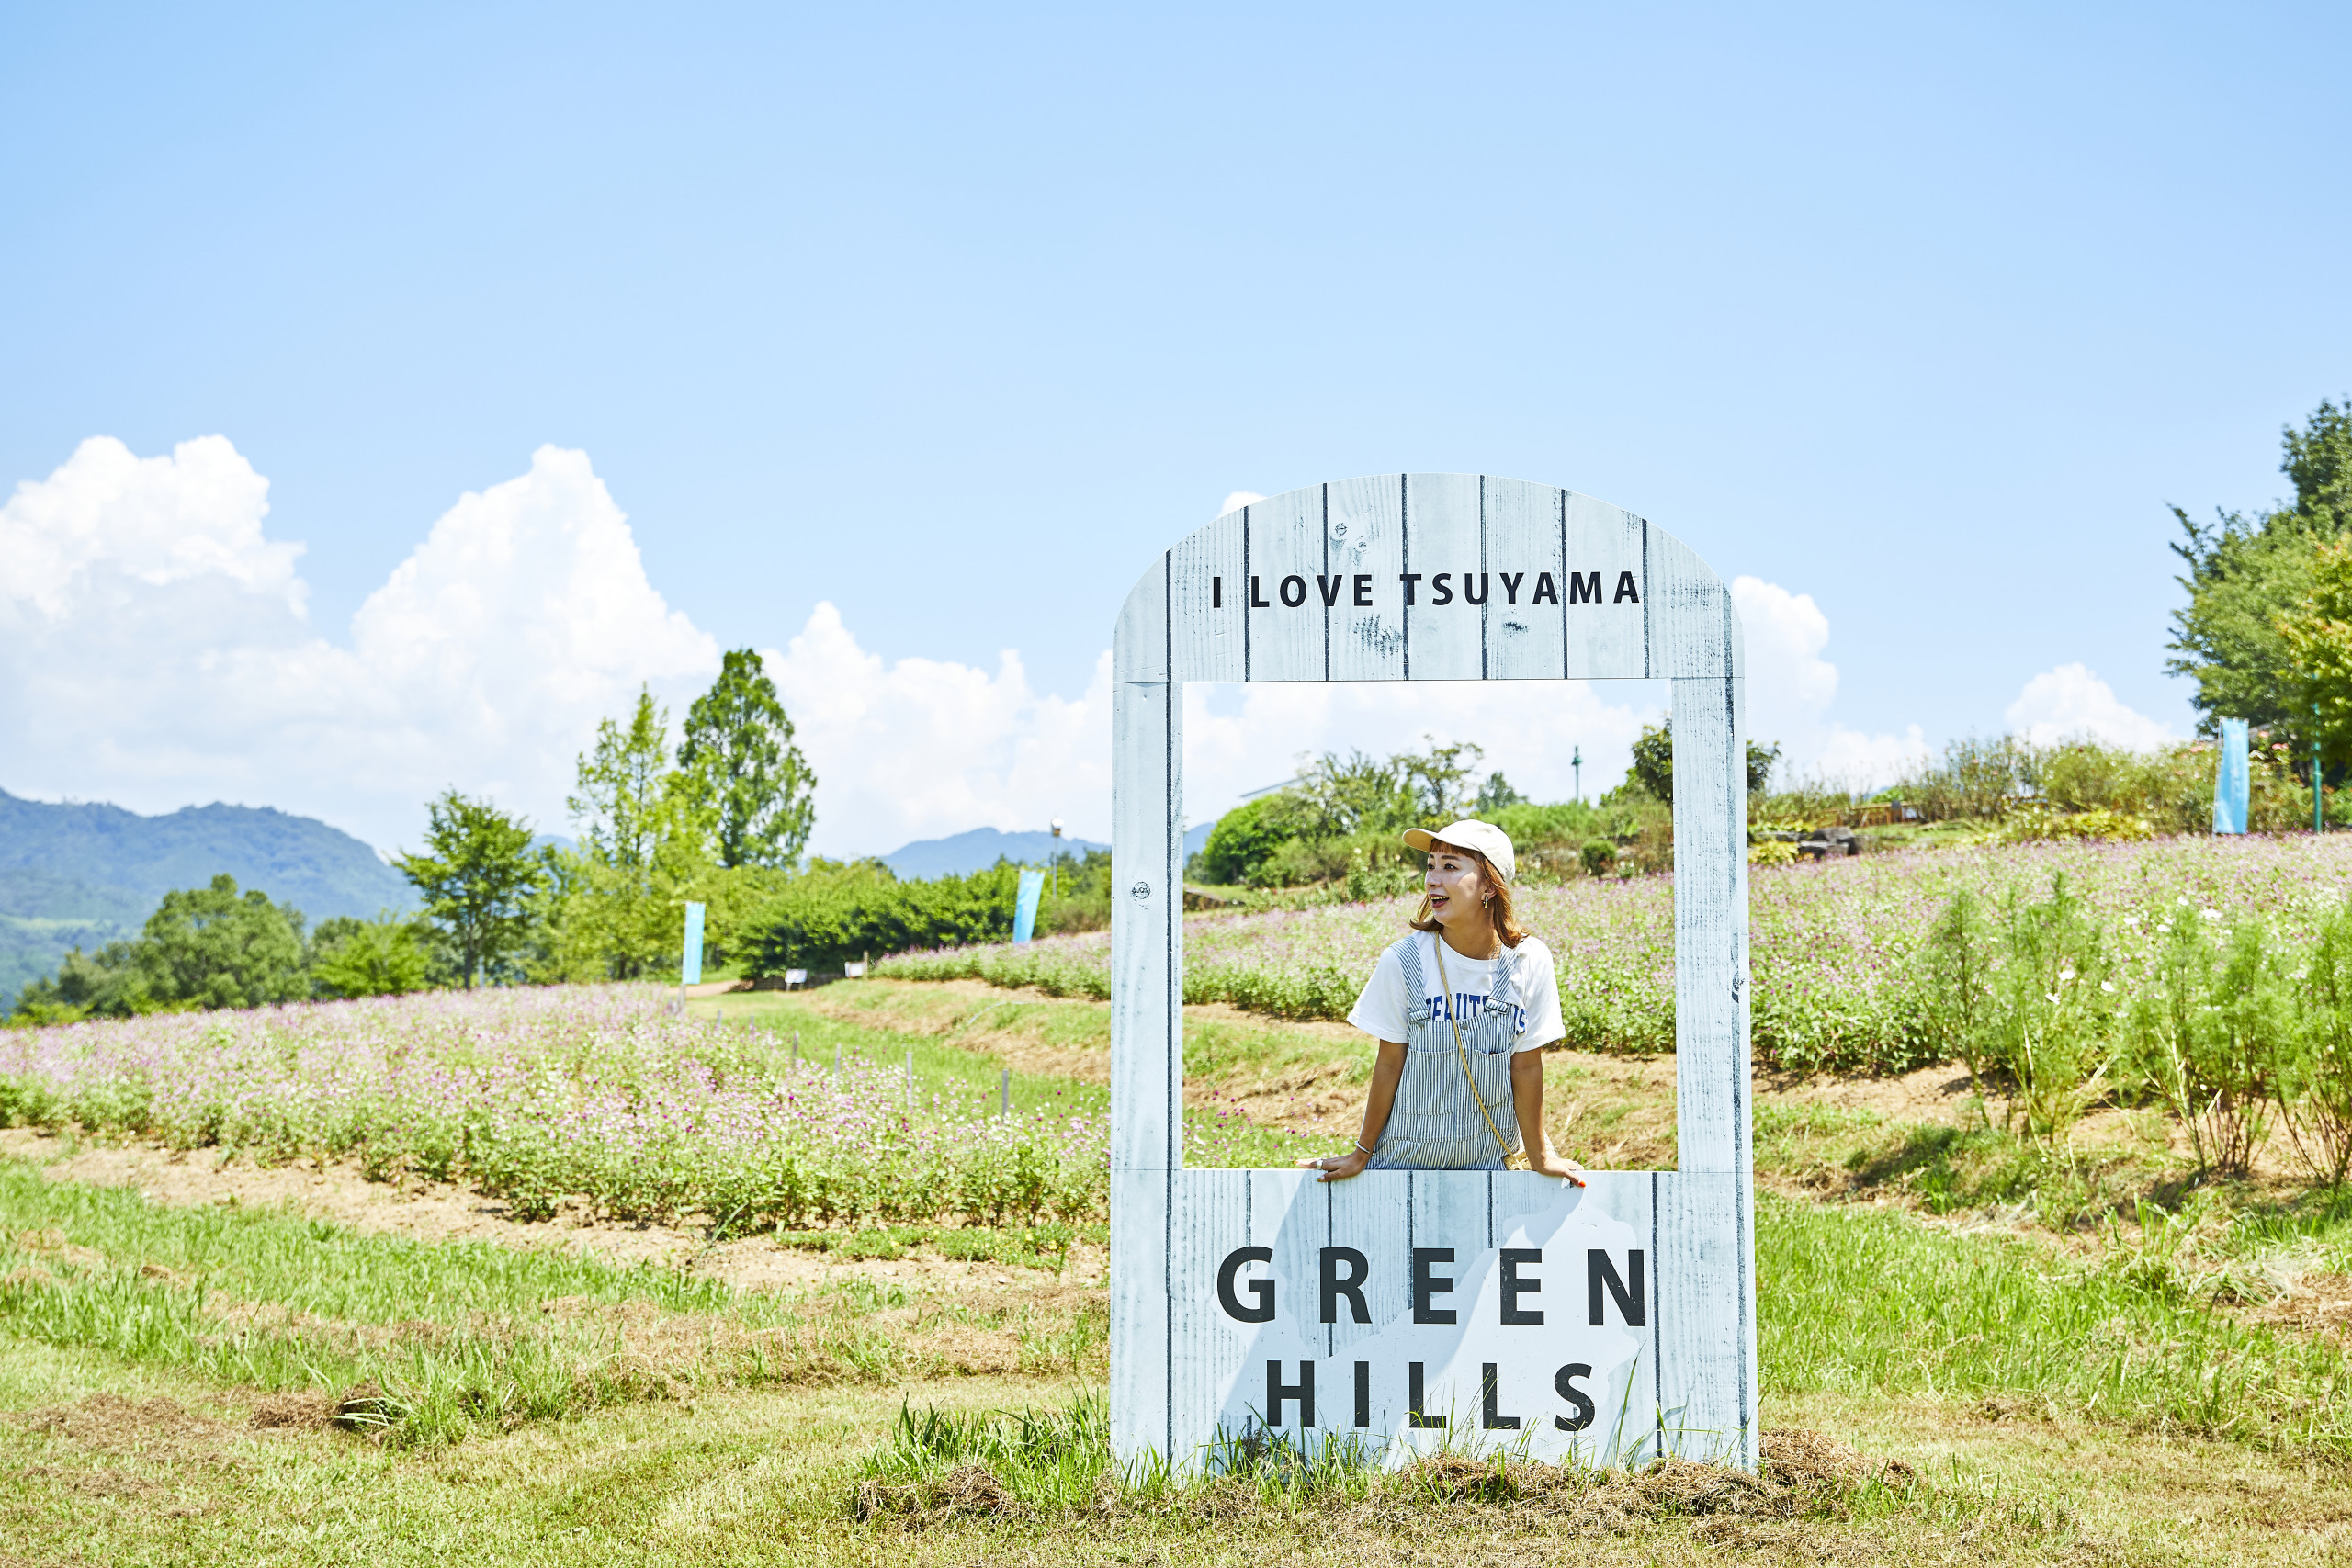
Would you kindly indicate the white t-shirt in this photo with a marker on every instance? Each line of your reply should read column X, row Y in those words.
column 1380, row 1011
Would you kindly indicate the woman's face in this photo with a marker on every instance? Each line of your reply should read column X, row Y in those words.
column 1455, row 889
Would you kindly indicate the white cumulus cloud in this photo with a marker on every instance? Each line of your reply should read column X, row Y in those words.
column 2070, row 701
column 1791, row 688
column 155, row 650
column 925, row 748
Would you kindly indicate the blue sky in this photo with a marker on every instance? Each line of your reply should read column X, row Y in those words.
column 949, row 320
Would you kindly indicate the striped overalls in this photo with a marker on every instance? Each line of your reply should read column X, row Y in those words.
column 1435, row 1124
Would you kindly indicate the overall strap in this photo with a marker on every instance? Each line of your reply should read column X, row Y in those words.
column 1502, row 988
column 1409, row 960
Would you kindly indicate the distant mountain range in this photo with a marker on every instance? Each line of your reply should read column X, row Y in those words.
column 976, row 851
column 983, row 847
column 82, row 875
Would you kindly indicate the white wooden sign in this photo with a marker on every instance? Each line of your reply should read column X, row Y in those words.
column 1405, row 1310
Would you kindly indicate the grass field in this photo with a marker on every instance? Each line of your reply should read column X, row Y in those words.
column 652, row 1419
column 2002, row 1358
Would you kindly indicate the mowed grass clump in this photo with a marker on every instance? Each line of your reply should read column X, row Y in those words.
column 456, row 1337
column 942, row 1466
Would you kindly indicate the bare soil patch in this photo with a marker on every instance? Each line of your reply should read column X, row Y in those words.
column 1936, row 1096
column 440, row 1211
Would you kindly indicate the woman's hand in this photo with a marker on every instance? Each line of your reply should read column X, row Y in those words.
column 1339, row 1169
column 1552, row 1162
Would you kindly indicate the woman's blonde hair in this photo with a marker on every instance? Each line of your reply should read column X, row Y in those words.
column 1499, row 908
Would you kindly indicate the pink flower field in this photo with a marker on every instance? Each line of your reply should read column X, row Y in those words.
column 1833, row 942
column 534, row 1095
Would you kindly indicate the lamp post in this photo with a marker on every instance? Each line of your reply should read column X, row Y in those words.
column 1576, row 761
column 1057, row 857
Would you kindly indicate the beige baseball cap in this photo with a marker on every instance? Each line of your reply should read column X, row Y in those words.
column 1484, row 837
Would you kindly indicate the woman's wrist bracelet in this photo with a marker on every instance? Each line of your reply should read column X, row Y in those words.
column 1360, row 1145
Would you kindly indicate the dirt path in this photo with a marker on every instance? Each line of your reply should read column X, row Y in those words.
column 439, row 1211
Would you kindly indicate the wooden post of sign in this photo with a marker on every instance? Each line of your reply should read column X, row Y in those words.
column 1146, row 1057
column 1360, row 1311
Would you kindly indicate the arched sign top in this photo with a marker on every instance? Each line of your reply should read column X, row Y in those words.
column 1429, row 577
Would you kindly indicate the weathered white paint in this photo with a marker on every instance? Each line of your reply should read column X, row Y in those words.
column 1626, row 601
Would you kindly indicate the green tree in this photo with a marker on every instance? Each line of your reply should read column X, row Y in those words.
column 1246, row 836
column 1653, row 769
column 622, row 784
column 203, row 947
column 1335, row 796
column 646, row 836
column 1437, row 780
column 383, row 957
column 739, row 742
column 833, row 913
column 2244, row 573
column 1494, row 796
column 214, row 947
column 478, row 878
column 2317, row 636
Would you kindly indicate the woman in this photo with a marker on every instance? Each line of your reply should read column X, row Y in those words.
column 1463, row 1009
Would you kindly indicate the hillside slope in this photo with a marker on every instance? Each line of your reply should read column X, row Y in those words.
column 976, row 851
column 77, row 875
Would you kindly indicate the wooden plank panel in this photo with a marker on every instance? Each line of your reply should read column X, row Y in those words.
column 1532, row 1210
column 1453, row 1209
column 1181, row 1362
column 1292, row 1215
column 1211, row 1214
column 1445, row 549
column 1605, row 631
column 1146, row 1022
column 1365, row 522
column 1694, row 632
column 1706, row 1232
column 1146, row 847
column 1369, row 1213
column 1526, row 537
column 1208, row 635
column 1287, row 558
column 1139, row 640
column 1706, row 1343
column 1710, row 926
column 1140, row 1367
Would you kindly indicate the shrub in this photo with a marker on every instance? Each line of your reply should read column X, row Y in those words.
column 2315, row 1075
column 1599, row 857
column 1246, row 838
column 2055, row 1003
column 833, row 913
column 2037, row 821
column 2205, row 1033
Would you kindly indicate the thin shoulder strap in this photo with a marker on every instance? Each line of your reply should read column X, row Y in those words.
column 1504, row 987
column 1410, row 961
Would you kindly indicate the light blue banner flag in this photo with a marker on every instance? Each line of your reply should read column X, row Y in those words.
column 2230, row 780
column 1024, row 913
column 691, row 973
